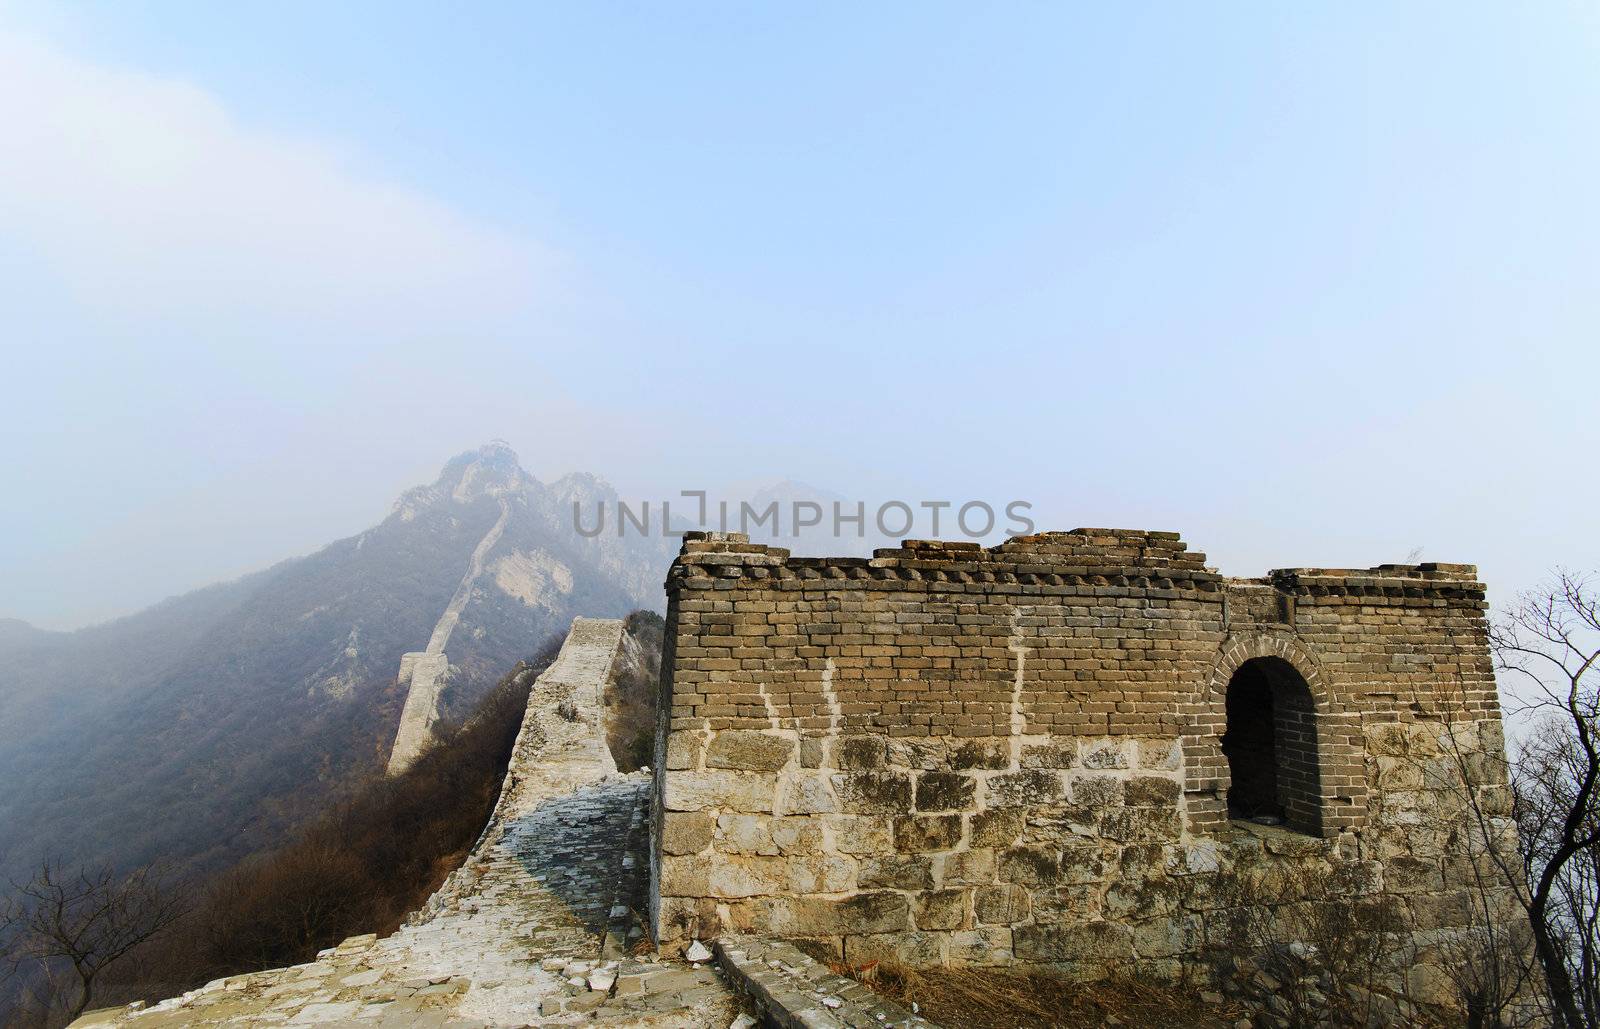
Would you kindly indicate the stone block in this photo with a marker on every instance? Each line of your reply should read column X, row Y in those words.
column 968, row 867
column 877, row 912
column 807, row 793
column 896, row 872
column 1100, row 942
column 1289, row 843
column 1072, row 904
column 1098, row 791
column 749, row 751
column 927, row 754
column 1195, row 858
column 945, row 791
column 688, row 917
column 1429, row 984
column 1387, row 740
column 1423, row 740
column 1000, row 827
column 1105, row 754
column 822, row 873
column 739, row 876
column 1167, row 937
column 1060, row 825
column 917, row 949
column 1004, row 904
column 1450, row 910
column 720, row 788
column 1404, row 874
column 1140, row 860
column 862, row 834
column 940, row 909
column 989, row 946
column 797, row 835
column 1131, row 898
column 683, row 749
column 685, row 876
column 872, row 793
column 685, row 832
column 745, row 834
column 1151, row 791
column 1030, row 788
column 1357, row 877
column 1495, row 802
column 1398, row 773
column 860, row 753
column 1050, row 755
column 976, row 754
column 918, row 833
column 1029, row 866
column 1160, row 755
column 1081, row 863
column 1140, row 824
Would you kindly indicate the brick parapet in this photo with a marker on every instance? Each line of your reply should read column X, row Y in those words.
column 1116, row 558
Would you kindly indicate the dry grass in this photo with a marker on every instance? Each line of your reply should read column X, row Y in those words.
column 966, row 998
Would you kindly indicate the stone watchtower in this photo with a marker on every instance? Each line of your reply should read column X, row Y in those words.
column 1047, row 752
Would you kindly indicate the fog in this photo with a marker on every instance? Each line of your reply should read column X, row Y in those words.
column 1313, row 294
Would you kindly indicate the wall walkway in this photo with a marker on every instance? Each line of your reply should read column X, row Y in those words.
column 536, row 925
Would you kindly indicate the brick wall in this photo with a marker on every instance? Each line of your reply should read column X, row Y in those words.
column 955, row 754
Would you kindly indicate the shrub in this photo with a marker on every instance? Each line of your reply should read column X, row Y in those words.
column 631, row 693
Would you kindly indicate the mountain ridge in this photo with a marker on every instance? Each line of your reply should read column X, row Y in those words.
column 205, row 725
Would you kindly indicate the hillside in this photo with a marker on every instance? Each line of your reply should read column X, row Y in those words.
column 204, row 727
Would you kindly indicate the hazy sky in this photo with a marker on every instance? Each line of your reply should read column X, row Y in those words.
column 1312, row 285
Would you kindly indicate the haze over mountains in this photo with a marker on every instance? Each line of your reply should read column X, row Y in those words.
column 202, row 728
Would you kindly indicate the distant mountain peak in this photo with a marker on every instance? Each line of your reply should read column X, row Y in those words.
column 292, row 671
column 492, row 470
column 581, row 486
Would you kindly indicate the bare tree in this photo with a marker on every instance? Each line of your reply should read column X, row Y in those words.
column 1490, row 962
column 1549, row 642
column 1310, row 948
column 81, row 922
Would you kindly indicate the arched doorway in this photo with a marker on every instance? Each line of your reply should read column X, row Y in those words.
column 1271, row 746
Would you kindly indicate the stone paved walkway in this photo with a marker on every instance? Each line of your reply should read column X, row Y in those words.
column 533, row 929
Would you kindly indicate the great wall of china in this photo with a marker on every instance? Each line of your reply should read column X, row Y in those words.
column 1071, row 752
column 424, row 673
column 541, row 924
column 535, row 927
column 1053, row 753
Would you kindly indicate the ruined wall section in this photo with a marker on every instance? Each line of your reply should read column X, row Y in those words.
column 535, row 925
column 425, row 673
column 955, row 754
